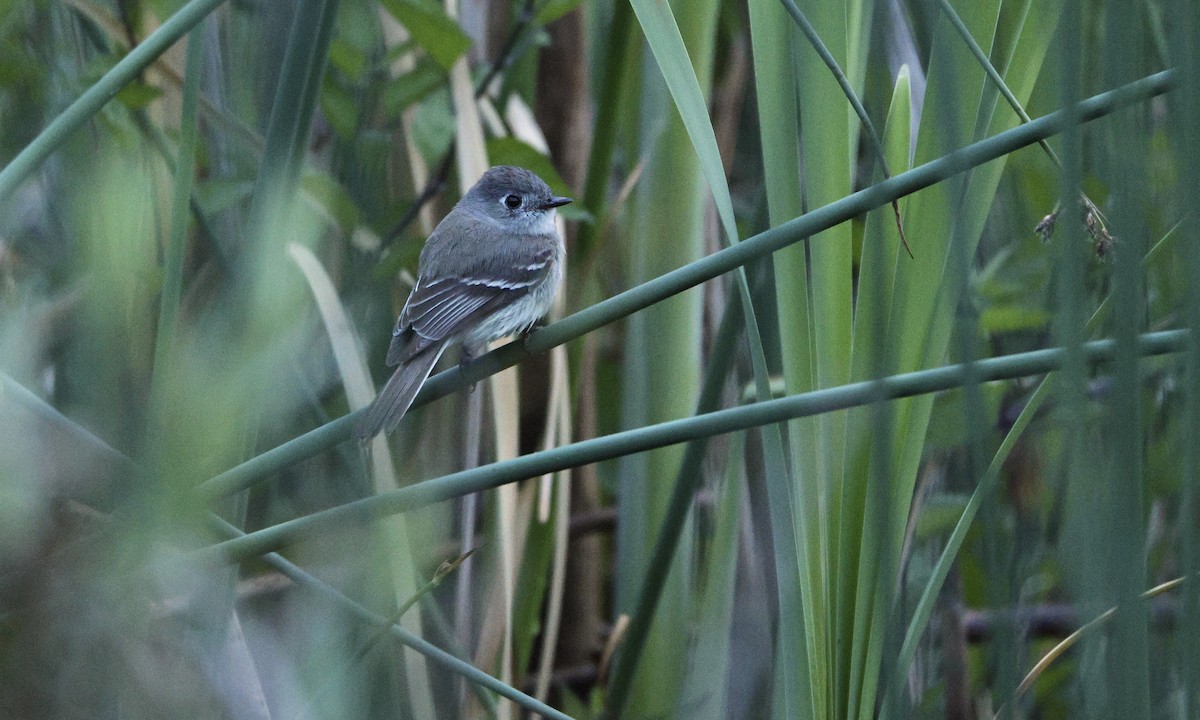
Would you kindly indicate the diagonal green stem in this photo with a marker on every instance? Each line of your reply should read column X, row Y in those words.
column 649, row 437
column 965, row 33
column 429, row 650
column 10, row 389
column 426, row 648
column 714, row 265
column 842, row 210
column 385, row 628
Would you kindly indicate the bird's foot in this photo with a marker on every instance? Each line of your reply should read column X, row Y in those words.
column 534, row 328
column 465, row 357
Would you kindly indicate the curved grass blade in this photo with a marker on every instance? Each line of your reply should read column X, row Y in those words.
column 799, row 684
column 1068, row 642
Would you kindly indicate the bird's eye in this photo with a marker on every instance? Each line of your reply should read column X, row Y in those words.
column 512, row 202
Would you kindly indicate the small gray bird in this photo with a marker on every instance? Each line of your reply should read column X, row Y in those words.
column 490, row 269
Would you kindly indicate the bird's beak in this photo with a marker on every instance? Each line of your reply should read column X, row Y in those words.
column 555, row 202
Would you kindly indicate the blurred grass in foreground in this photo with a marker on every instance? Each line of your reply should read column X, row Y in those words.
column 202, row 251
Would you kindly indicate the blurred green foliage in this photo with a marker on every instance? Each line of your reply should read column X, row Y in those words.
column 808, row 578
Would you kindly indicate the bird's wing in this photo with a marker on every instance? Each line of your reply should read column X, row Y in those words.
column 441, row 308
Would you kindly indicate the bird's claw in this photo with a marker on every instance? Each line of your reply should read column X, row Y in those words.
column 464, row 359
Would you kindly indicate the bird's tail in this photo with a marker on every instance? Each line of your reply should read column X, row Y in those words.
column 398, row 394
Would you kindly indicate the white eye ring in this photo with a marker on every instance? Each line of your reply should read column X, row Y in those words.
column 511, row 201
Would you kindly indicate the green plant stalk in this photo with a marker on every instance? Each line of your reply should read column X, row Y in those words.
column 924, row 608
column 714, row 265
column 439, row 626
column 950, row 111
column 877, row 268
column 822, row 267
column 260, row 296
column 260, row 287
column 924, row 295
column 257, row 296
column 1117, row 554
column 270, row 227
column 1186, row 19
column 925, row 299
column 689, row 100
column 963, row 316
column 871, row 499
column 676, row 431
column 666, row 42
column 706, row 693
column 799, row 672
column 185, row 167
column 292, row 111
column 670, row 52
column 98, row 95
column 830, row 62
column 336, row 676
column 13, row 391
column 839, row 211
column 994, row 76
